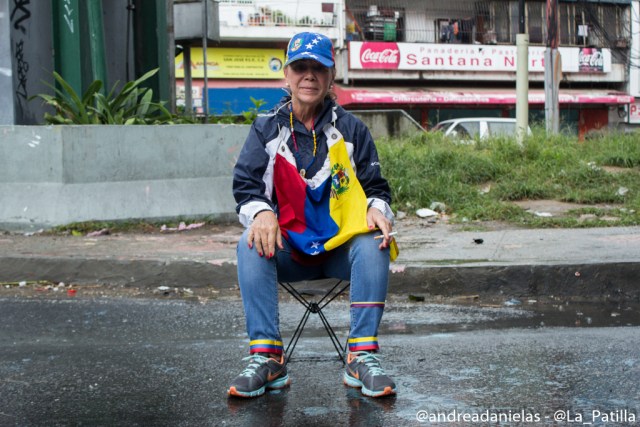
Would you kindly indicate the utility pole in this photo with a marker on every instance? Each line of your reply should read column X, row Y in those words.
column 522, row 78
column 552, row 70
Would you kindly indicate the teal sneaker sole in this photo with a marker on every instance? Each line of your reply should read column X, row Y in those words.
column 354, row 382
column 279, row 383
column 351, row 382
column 276, row 384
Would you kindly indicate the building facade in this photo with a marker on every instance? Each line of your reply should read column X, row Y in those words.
column 435, row 60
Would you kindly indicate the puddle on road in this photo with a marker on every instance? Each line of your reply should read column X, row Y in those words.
column 527, row 314
column 587, row 314
column 404, row 314
column 402, row 317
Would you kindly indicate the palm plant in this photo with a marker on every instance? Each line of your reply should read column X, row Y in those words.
column 131, row 105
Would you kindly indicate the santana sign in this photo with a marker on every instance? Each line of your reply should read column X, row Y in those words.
column 461, row 57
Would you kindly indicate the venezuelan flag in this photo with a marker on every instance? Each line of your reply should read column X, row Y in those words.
column 319, row 215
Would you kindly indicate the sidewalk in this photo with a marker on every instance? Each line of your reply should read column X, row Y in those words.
column 435, row 259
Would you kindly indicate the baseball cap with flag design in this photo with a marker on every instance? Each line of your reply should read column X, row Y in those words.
column 310, row 46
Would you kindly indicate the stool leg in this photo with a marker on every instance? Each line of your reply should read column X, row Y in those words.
column 296, row 335
column 334, row 339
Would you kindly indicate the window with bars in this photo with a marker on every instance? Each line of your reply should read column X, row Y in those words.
column 597, row 25
column 535, row 14
column 580, row 24
column 493, row 21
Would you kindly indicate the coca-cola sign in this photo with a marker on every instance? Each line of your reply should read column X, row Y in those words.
column 379, row 55
column 591, row 60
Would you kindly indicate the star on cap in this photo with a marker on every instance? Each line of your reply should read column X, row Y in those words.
column 309, row 46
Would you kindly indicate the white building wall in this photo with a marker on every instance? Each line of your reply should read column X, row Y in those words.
column 634, row 72
column 261, row 19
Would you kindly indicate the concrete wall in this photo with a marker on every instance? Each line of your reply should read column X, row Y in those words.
column 55, row 175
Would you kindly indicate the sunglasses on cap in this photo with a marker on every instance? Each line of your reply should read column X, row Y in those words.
column 300, row 67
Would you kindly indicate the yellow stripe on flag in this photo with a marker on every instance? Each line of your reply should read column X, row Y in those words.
column 348, row 203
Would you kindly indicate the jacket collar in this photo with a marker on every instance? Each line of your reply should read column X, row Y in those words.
column 328, row 114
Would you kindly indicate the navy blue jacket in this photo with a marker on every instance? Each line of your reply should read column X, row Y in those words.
column 253, row 172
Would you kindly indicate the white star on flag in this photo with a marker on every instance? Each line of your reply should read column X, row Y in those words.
column 315, row 245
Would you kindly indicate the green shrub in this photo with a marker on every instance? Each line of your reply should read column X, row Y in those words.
column 131, row 105
column 480, row 181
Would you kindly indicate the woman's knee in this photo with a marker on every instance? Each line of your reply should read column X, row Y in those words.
column 366, row 247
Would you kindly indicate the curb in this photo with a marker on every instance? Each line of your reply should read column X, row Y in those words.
column 614, row 280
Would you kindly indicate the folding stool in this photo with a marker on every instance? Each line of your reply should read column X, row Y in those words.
column 315, row 307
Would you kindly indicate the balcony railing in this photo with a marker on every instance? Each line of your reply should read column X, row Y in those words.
column 277, row 20
column 281, row 13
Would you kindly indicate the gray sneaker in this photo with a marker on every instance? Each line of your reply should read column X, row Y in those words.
column 261, row 373
column 364, row 372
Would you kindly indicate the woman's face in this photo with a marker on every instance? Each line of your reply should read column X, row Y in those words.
column 308, row 80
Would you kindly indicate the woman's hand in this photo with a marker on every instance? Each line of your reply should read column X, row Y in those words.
column 375, row 218
column 264, row 234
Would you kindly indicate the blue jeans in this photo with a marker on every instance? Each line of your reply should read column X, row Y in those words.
column 359, row 260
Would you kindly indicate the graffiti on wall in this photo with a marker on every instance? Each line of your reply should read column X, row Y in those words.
column 20, row 12
column 19, row 15
column 68, row 15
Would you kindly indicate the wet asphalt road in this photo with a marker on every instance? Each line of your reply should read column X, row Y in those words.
column 154, row 362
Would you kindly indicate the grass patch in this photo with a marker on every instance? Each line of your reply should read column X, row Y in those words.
column 82, row 228
column 478, row 182
column 125, row 226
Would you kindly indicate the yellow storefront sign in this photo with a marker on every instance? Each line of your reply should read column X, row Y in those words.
column 232, row 63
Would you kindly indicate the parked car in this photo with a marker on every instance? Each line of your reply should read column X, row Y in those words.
column 472, row 128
